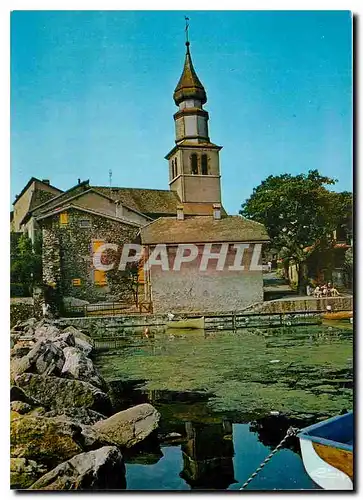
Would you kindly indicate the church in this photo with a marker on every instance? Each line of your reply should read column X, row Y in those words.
column 75, row 223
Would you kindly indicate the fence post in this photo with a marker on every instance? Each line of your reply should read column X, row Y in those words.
column 234, row 320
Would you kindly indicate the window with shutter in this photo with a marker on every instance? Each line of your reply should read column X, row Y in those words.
column 63, row 218
column 99, row 276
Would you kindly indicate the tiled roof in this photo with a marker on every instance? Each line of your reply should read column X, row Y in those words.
column 86, row 210
column 58, row 200
column 30, row 181
column 147, row 201
column 39, row 197
column 203, row 229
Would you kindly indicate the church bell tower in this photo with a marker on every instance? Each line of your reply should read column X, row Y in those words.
column 194, row 160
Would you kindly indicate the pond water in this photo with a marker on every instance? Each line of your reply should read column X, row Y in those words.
column 226, row 400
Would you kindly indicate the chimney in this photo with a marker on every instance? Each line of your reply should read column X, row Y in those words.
column 216, row 211
column 46, row 181
column 180, row 212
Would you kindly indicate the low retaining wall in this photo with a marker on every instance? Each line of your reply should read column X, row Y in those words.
column 96, row 326
column 108, row 325
column 303, row 305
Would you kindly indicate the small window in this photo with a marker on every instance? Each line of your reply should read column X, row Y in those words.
column 84, row 223
column 63, row 218
column 176, row 167
column 172, row 169
column 76, row 282
column 194, row 164
column 204, row 165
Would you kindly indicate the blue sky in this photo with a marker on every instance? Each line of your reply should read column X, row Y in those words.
column 92, row 91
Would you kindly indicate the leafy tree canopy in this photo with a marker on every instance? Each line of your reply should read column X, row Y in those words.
column 299, row 212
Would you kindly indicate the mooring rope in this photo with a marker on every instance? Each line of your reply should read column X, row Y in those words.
column 291, row 431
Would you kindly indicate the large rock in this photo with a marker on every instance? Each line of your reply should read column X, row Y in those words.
column 82, row 341
column 18, row 366
column 19, row 350
column 83, row 346
column 77, row 334
column 65, row 339
column 17, row 394
column 46, row 440
column 46, row 330
column 82, row 416
column 78, row 366
column 46, row 358
column 129, row 427
column 24, row 472
column 102, row 469
column 20, row 407
column 60, row 393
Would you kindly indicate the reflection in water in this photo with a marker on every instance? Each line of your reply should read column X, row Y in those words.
column 197, row 448
column 208, row 456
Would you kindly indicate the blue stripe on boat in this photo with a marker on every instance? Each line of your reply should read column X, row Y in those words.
column 337, row 432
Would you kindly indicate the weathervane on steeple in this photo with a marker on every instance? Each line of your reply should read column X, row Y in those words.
column 187, row 43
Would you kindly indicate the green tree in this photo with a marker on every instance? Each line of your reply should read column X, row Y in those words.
column 25, row 263
column 300, row 215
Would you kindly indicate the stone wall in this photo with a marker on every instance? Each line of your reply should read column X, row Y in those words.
column 301, row 304
column 68, row 254
column 113, row 325
column 191, row 290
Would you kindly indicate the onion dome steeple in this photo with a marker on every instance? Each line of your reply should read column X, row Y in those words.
column 194, row 160
column 189, row 85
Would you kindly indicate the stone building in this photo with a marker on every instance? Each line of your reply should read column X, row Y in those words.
column 34, row 193
column 74, row 223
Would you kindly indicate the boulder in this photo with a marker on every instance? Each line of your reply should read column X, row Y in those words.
column 129, row 427
column 78, row 334
column 19, row 350
column 18, row 366
column 26, row 325
column 17, row 394
column 20, row 407
column 46, row 330
column 59, row 393
column 78, row 366
column 102, row 469
column 24, row 472
column 14, row 337
column 74, row 301
column 83, row 346
column 46, row 358
column 46, row 440
column 66, row 338
column 82, row 416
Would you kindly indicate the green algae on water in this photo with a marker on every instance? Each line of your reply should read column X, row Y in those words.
column 301, row 370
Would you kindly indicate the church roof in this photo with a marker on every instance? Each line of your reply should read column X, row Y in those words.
column 189, row 85
column 202, row 229
column 152, row 202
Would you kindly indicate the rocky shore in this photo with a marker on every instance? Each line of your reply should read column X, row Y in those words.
column 64, row 432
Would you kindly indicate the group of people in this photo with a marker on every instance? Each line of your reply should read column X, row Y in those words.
column 326, row 290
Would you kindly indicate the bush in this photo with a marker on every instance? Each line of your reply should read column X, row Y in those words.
column 19, row 290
